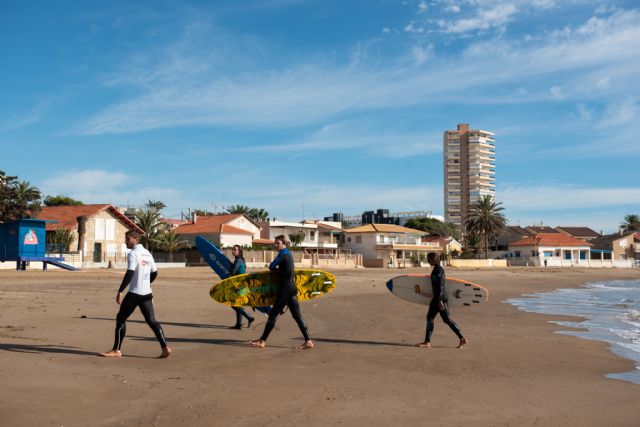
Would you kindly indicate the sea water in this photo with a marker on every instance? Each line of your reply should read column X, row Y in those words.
column 611, row 311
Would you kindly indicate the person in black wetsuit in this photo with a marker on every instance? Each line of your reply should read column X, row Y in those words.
column 438, row 303
column 141, row 272
column 288, row 296
column 239, row 267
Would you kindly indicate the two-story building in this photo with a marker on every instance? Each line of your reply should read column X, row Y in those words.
column 98, row 230
column 388, row 245
column 222, row 230
column 622, row 247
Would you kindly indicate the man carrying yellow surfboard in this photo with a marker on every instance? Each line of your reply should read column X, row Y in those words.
column 287, row 297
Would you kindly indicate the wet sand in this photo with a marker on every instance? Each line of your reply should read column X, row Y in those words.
column 363, row 371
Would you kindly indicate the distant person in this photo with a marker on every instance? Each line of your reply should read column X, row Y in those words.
column 545, row 263
column 239, row 267
column 141, row 272
column 438, row 302
column 288, row 296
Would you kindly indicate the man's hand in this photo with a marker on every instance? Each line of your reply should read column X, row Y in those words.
column 118, row 297
column 441, row 306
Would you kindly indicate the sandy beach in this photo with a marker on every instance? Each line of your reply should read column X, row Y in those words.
column 363, row 371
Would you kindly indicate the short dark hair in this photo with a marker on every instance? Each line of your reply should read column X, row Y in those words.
column 282, row 239
column 133, row 234
column 433, row 257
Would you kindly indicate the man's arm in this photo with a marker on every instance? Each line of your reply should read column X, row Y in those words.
column 153, row 276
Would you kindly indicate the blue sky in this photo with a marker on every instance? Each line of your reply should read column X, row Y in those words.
column 334, row 105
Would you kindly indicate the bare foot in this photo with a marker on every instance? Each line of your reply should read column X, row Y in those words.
column 306, row 346
column 424, row 345
column 463, row 341
column 166, row 352
column 258, row 343
column 111, row 353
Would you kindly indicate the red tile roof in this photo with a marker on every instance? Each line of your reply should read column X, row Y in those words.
column 67, row 216
column 262, row 242
column 329, row 227
column 211, row 224
column 550, row 239
column 384, row 228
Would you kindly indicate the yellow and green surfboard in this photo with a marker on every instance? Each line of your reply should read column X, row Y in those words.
column 260, row 289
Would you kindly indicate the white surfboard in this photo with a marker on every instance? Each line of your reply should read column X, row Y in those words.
column 416, row 288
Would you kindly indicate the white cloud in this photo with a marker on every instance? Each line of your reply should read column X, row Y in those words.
column 358, row 135
column 411, row 29
column 496, row 17
column 102, row 186
column 169, row 96
column 422, row 7
column 520, row 198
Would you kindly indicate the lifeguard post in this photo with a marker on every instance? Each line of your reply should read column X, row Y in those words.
column 25, row 240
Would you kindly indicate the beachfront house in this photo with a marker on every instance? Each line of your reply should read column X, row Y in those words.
column 222, row 230
column 582, row 233
column 317, row 234
column 388, row 245
column 98, row 231
column 550, row 249
column 621, row 249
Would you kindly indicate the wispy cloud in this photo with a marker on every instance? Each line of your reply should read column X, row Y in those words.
column 185, row 90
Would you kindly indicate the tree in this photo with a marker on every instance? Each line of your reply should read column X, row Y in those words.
column 258, row 214
column 435, row 227
column 471, row 245
column 296, row 238
column 149, row 222
column 155, row 204
column 486, row 220
column 170, row 242
column 237, row 209
column 252, row 213
column 17, row 199
column 61, row 237
column 61, row 200
column 631, row 222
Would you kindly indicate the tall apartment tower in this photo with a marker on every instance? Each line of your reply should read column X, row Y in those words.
column 469, row 170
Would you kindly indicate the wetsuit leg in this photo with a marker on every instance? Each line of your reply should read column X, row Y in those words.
column 240, row 313
column 127, row 306
column 146, row 307
column 281, row 302
column 294, row 308
column 431, row 315
column 446, row 318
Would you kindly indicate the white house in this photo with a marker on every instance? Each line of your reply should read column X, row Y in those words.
column 557, row 249
column 222, row 230
column 387, row 245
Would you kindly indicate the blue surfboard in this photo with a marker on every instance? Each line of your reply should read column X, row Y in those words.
column 214, row 257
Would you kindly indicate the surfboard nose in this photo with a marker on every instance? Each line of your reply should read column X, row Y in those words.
column 390, row 285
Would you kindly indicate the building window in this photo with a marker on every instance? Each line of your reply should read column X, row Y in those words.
column 517, row 254
column 348, row 239
column 312, row 235
column 358, row 239
column 533, row 253
column 548, row 254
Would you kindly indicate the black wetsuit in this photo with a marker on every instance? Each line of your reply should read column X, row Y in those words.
column 239, row 267
column 439, row 294
column 127, row 307
column 288, row 296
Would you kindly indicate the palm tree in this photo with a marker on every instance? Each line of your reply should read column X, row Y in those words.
column 238, row 209
column 631, row 222
column 149, row 222
column 156, row 204
column 170, row 242
column 258, row 214
column 61, row 237
column 486, row 220
column 28, row 199
column 472, row 244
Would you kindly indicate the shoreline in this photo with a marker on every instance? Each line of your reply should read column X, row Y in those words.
column 364, row 369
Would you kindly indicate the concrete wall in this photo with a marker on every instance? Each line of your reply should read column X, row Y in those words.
column 478, row 263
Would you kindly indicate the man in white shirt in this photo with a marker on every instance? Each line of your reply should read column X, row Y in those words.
column 141, row 272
